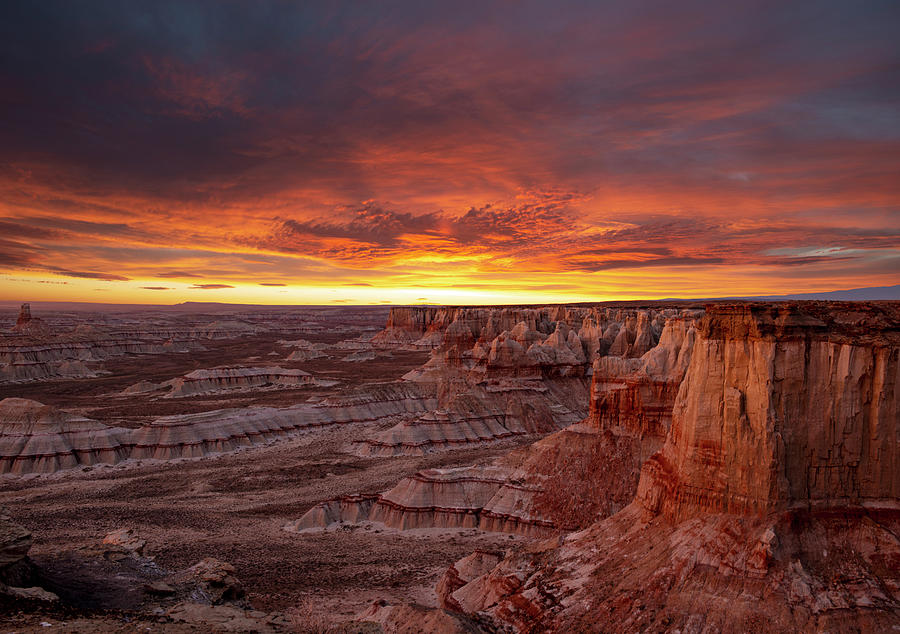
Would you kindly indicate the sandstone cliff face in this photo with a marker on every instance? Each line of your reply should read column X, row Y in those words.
column 781, row 408
column 415, row 327
column 772, row 505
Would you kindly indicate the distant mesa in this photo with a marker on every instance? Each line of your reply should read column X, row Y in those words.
column 224, row 380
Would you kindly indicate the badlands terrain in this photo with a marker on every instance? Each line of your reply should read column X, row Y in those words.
column 674, row 466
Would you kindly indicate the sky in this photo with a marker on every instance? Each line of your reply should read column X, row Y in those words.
column 446, row 152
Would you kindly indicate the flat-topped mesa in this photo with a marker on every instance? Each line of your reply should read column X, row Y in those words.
column 216, row 380
column 36, row 438
column 462, row 497
column 784, row 406
column 194, row 435
column 439, row 498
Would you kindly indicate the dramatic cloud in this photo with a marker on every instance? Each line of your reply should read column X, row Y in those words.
column 512, row 151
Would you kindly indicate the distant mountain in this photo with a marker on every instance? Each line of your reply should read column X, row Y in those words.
column 870, row 293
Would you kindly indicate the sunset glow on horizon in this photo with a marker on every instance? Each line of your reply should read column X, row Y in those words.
column 279, row 153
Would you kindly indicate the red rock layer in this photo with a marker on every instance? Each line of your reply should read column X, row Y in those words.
column 773, row 505
column 782, row 407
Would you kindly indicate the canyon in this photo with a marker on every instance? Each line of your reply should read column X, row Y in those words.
column 617, row 467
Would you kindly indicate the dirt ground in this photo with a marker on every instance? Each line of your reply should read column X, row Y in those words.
column 230, row 506
column 233, row 507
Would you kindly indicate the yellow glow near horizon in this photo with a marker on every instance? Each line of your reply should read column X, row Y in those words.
column 561, row 288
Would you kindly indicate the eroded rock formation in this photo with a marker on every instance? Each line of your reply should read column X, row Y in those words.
column 772, row 505
column 35, row 438
column 565, row 481
column 513, row 371
column 217, row 380
column 28, row 325
column 786, row 408
column 38, row 356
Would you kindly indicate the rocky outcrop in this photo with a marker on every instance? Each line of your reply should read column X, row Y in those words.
column 439, row 498
column 15, row 542
column 783, row 407
column 28, row 325
column 772, row 505
column 528, row 492
column 36, row 438
column 17, row 572
column 461, row 574
column 521, row 370
column 410, row 619
column 415, row 327
column 305, row 354
column 218, row 380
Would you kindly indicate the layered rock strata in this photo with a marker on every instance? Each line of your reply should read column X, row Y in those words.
column 511, row 371
column 77, row 356
column 464, row 497
column 218, row 380
column 561, row 483
column 565, row 481
column 35, row 438
column 772, row 505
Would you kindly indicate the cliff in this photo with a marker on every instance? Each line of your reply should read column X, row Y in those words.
column 783, row 407
column 772, row 505
column 500, row 372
